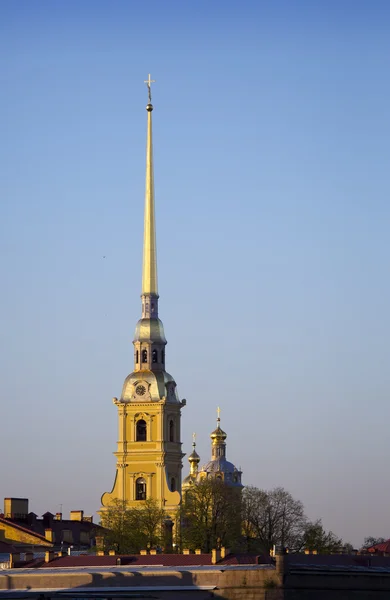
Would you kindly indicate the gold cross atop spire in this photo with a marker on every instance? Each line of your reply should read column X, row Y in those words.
column 149, row 82
column 218, row 414
column 194, row 439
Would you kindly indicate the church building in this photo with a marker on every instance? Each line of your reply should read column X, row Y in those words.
column 218, row 467
column 149, row 456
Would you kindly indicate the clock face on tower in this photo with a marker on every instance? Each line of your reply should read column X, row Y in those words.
column 140, row 390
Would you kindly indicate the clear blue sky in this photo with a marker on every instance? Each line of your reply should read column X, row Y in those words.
column 272, row 151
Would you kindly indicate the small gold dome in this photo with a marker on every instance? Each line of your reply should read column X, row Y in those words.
column 194, row 457
column 218, row 435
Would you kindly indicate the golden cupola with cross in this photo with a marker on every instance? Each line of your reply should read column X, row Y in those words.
column 149, row 456
column 218, row 467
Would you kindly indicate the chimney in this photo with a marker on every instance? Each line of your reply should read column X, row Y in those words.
column 88, row 519
column 76, row 515
column 215, row 556
column 49, row 535
column 58, row 516
column 14, row 557
column 49, row 555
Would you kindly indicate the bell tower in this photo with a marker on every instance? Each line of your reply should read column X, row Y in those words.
column 149, row 456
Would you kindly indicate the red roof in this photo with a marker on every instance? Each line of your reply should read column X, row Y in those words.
column 383, row 547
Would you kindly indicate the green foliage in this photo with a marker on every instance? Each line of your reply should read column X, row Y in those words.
column 129, row 530
column 213, row 514
column 316, row 538
column 210, row 516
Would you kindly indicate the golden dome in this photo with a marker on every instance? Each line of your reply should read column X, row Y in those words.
column 194, row 457
column 218, row 435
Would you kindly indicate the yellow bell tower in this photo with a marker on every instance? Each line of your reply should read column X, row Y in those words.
column 149, row 456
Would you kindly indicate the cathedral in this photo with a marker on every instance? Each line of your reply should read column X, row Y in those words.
column 218, row 467
column 149, row 455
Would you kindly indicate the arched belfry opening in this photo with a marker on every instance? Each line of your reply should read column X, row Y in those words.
column 140, row 489
column 141, row 431
column 171, row 430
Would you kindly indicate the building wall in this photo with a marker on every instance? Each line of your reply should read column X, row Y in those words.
column 231, row 584
column 14, row 535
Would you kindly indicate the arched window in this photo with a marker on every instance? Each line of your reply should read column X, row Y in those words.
column 141, row 431
column 137, row 357
column 154, row 356
column 173, row 484
column 140, row 489
column 171, row 431
column 162, row 356
column 144, row 356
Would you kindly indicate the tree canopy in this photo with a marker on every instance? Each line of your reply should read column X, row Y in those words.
column 275, row 519
column 129, row 530
column 316, row 538
column 210, row 516
column 373, row 541
column 213, row 514
column 271, row 518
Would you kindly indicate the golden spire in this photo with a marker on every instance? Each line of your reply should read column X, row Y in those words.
column 149, row 265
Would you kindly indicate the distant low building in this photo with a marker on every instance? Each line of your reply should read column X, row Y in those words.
column 24, row 529
column 381, row 549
